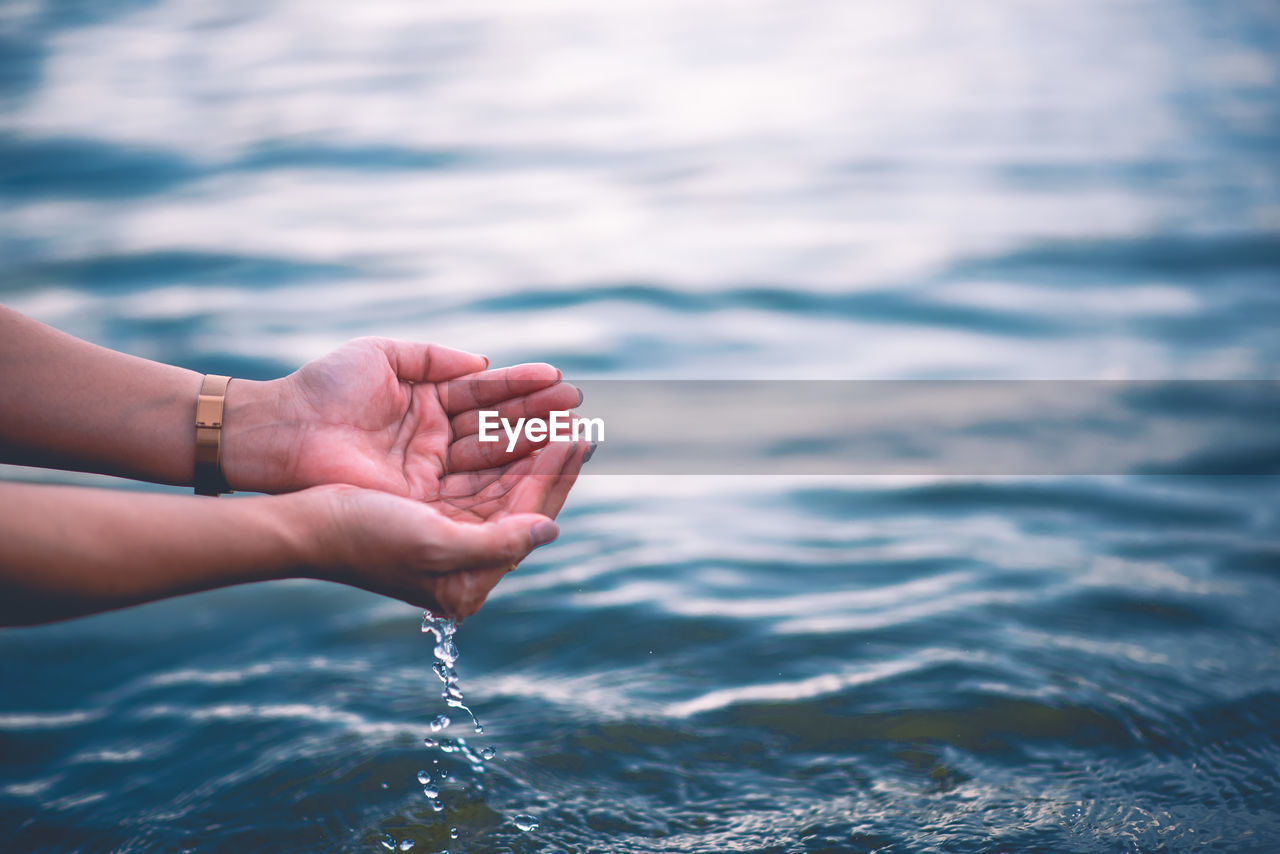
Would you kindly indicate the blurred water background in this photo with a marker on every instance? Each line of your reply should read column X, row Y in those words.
column 679, row 190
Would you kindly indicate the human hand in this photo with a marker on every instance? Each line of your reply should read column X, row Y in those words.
column 396, row 416
column 445, row 556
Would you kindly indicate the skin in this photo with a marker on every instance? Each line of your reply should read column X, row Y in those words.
column 371, row 452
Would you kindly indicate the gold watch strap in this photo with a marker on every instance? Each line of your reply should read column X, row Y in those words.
column 208, row 475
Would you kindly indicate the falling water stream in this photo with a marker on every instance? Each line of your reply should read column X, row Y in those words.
column 445, row 667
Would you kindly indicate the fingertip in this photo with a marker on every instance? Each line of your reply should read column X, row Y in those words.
column 540, row 371
column 468, row 354
column 543, row 532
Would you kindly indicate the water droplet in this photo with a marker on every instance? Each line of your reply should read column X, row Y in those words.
column 488, row 753
column 437, row 806
column 479, row 729
column 406, row 844
column 453, row 833
column 430, row 742
column 431, row 790
column 527, row 822
column 424, row 777
column 388, row 842
column 440, row 722
column 384, row 785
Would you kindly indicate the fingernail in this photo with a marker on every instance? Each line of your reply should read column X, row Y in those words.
column 586, row 458
column 486, row 362
column 544, row 532
column 582, row 395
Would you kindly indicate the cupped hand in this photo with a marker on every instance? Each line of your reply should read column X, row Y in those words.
column 395, row 416
column 444, row 555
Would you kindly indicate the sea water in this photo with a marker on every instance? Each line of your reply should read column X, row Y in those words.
column 877, row 190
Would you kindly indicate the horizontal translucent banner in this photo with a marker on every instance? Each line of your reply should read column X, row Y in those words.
column 945, row 427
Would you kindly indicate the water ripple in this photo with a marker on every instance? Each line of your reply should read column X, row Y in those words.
column 899, row 191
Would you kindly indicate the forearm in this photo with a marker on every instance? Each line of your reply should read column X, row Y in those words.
column 66, row 403
column 68, row 551
column 69, row 404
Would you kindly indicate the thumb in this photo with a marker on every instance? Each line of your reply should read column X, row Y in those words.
column 429, row 363
column 500, row 543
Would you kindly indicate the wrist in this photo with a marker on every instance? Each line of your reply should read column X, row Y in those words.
column 314, row 523
column 254, row 422
column 300, row 521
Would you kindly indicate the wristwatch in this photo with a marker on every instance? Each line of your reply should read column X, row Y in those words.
column 208, row 478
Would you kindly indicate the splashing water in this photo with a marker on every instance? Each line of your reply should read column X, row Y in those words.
column 446, row 653
column 445, row 667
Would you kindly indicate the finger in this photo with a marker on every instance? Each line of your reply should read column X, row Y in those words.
column 485, row 493
column 545, row 489
column 499, row 543
column 523, row 488
column 428, row 363
column 535, row 490
column 561, row 484
column 538, row 483
column 518, row 487
column 490, row 387
column 540, row 404
column 470, row 454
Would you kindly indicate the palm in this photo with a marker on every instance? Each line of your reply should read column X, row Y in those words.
column 372, row 414
column 367, row 427
column 538, row 483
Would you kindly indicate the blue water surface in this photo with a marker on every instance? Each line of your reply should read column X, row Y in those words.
column 693, row 190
